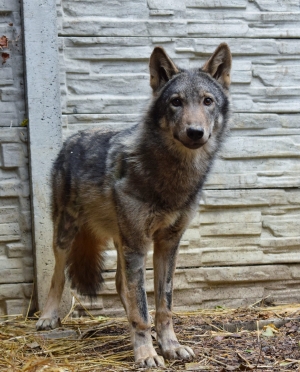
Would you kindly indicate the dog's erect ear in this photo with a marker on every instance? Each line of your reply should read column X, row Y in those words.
column 161, row 68
column 219, row 65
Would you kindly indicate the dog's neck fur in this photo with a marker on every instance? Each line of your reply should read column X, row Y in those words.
column 178, row 179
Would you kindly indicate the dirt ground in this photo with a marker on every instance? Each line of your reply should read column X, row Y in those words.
column 245, row 339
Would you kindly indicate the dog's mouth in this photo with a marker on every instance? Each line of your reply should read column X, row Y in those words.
column 193, row 145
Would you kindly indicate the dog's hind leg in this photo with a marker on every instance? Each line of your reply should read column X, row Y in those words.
column 130, row 283
column 166, row 245
column 63, row 236
column 49, row 318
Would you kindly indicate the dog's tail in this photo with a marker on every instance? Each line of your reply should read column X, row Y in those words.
column 85, row 263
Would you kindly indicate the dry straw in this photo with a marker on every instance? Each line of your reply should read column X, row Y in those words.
column 103, row 344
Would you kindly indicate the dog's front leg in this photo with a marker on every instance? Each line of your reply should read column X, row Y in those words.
column 130, row 282
column 165, row 254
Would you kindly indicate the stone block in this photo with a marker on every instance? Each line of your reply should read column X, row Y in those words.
column 9, row 135
column 12, row 155
column 23, row 173
column 10, row 6
column 235, row 28
column 250, row 274
column 28, row 274
column 8, row 291
column 107, row 105
column 271, row 244
column 2, row 250
column 15, row 307
column 9, row 214
column 188, row 298
column 286, row 296
column 9, row 119
column 10, row 188
column 295, row 271
column 217, row 4
column 234, row 292
column 23, row 136
column 136, row 8
column 209, row 217
column 11, row 94
column 244, row 197
column 14, row 250
column 28, row 261
column 231, row 256
column 11, row 270
column 237, row 147
column 191, row 235
column 6, row 76
column 28, row 289
column 230, row 303
column 24, row 203
column 283, row 225
column 286, row 6
column 129, row 84
column 275, row 75
column 9, row 231
column 239, row 46
column 243, row 228
column 25, row 220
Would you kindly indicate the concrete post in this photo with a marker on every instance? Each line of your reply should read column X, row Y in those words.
column 44, row 114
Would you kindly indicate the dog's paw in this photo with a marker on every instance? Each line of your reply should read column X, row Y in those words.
column 146, row 357
column 179, row 352
column 151, row 362
column 44, row 324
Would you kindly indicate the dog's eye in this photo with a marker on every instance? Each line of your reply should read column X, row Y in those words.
column 207, row 101
column 176, row 102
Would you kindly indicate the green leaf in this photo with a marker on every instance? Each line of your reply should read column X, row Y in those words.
column 24, row 123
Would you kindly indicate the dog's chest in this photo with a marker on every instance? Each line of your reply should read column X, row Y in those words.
column 160, row 220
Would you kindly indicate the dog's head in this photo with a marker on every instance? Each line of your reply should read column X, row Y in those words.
column 191, row 104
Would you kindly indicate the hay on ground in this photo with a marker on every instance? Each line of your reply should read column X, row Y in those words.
column 253, row 338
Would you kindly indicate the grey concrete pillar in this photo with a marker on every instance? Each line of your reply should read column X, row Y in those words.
column 44, row 114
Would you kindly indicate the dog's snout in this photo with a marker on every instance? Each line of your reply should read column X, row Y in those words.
column 195, row 133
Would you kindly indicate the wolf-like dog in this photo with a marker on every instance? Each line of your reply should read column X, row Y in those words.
column 139, row 186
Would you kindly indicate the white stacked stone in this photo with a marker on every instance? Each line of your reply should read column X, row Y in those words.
column 245, row 242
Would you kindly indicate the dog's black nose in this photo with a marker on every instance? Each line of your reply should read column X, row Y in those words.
column 195, row 133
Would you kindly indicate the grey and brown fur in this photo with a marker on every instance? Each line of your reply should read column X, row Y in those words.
column 137, row 187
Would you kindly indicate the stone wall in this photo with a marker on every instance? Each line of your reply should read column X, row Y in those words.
column 16, row 262
column 245, row 243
